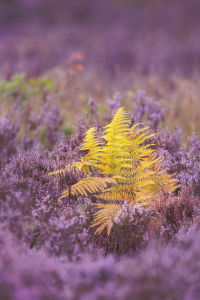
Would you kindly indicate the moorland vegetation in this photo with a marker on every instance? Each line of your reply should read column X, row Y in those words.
column 100, row 150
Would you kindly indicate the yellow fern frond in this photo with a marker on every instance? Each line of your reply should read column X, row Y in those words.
column 106, row 216
column 57, row 172
column 115, row 136
column 88, row 185
column 115, row 195
column 92, row 144
column 81, row 165
column 129, row 165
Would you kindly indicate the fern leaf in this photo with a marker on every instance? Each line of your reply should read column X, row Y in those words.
column 92, row 144
column 88, row 185
column 128, row 162
column 116, row 196
column 105, row 217
column 57, row 172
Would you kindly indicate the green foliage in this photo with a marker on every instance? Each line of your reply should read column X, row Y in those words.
column 128, row 170
column 20, row 86
column 67, row 129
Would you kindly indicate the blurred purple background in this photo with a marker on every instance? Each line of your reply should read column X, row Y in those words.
column 36, row 35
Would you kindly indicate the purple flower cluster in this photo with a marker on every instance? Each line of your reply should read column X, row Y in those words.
column 130, row 233
column 52, row 121
column 191, row 161
column 147, row 111
column 9, row 131
column 115, row 103
column 157, row 273
column 29, row 171
column 184, row 162
column 195, row 145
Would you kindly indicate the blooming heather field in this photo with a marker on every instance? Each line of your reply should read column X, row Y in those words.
column 67, row 66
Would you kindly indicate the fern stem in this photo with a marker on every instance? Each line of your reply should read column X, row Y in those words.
column 69, row 193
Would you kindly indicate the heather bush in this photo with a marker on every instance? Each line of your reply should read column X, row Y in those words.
column 28, row 172
column 129, row 234
column 114, row 104
column 190, row 162
column 174, row 212
column 148, row 112
column 136, row 229
column 9, row 132
column 26, row 274
column 65, row 234
column 157, row 273
column 24, row 127
column 184, row 161
column 52, row 120
column 59, row 229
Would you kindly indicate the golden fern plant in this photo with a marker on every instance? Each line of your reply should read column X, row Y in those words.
column 128, row 166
